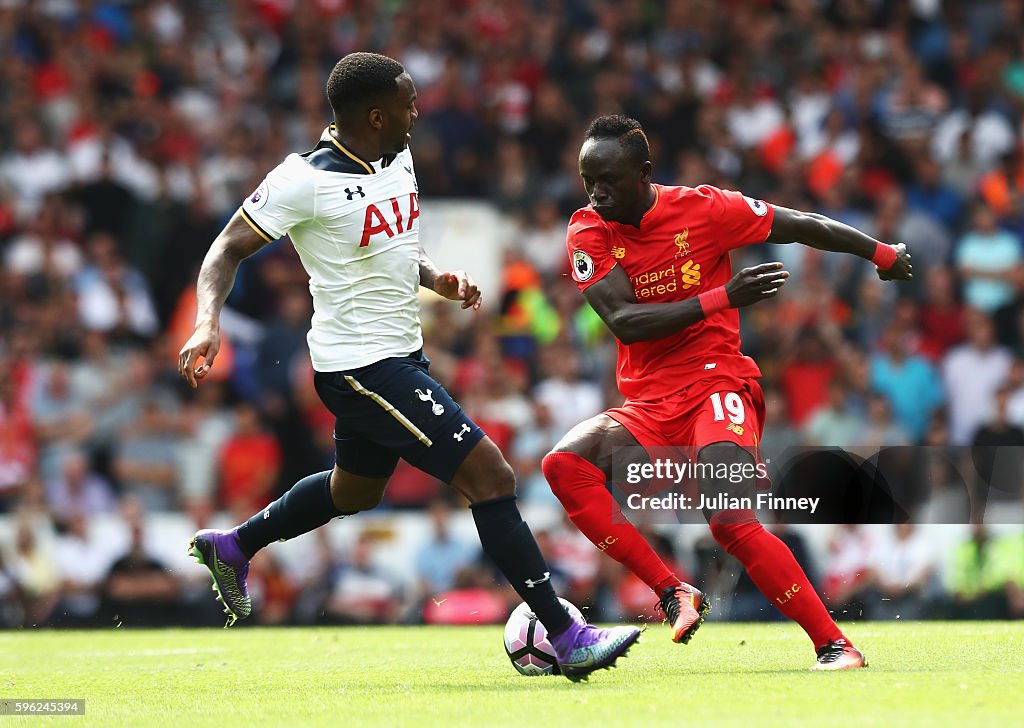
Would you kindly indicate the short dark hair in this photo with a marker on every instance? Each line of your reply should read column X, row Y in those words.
column 360, row 78
column 623, row 129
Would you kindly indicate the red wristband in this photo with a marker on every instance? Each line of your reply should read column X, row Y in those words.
column 713, row 301
column 884, row 257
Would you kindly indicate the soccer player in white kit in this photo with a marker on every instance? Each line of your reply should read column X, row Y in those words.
column 351, row 209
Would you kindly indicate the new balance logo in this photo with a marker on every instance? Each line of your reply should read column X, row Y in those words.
column 530, row 583
column 357, row 191
column 461, row 433
column 437, row 409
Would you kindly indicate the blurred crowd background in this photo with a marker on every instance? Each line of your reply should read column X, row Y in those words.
column 130, row 131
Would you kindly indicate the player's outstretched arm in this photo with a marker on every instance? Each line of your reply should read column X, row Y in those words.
column 824, row 233
column 454, row 285
column 613, row 300
column 236, row 242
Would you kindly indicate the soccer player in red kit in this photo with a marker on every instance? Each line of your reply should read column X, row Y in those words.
column 653, row 261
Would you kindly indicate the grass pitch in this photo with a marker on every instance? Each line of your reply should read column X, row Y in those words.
column 924, row 673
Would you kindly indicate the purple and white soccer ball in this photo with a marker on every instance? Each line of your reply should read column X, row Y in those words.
column 527, row 643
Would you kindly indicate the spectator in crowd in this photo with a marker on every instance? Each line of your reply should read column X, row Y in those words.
column 362, row 592
column 78, row 490
column 972, row 373
column 530, row 446
column 806, row 377
column 880, row 430
column 146, row 459
column 10, row 596
column 909, row 382
column 61, row 418
column 543, row 239
column 778, row 436
column 1015, row 388
column 32, row 168
column 83, row 564
column 902, row 572
column 112, row 296
column 1010, row 552
column 44, row 248
column 34, row 571
column 564, row 392
column 17, row 444
column 848, row 571
column 138, row 590
column 208, row 423
column 440, row 559
column 989, row 260
column 273, row 590
column 998, row 455
column 249, row 464
column 941, row 317
column 282, row 349
column 928, row 193
column 976, row 581
column 834, row 424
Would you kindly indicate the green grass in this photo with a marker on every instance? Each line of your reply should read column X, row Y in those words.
column 731, row 674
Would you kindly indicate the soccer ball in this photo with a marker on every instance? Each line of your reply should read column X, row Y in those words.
column 527, row 643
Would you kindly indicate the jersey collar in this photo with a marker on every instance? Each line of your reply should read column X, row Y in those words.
column 652, row 208
column 328, row 136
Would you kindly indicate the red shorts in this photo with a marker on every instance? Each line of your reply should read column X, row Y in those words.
column 722, row 409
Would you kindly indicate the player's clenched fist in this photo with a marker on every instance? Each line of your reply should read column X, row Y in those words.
column 205, row 343
column 901, row 270
column 755, row 284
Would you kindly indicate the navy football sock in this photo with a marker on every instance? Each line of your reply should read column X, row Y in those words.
column 306, row 506
column 507, row 539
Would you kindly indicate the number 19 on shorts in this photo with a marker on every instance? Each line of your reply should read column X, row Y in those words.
column 733, row 406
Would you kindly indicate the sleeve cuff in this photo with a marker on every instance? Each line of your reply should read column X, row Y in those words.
column 255, row 226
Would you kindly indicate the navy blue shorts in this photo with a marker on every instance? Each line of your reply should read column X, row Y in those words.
column 394, row 409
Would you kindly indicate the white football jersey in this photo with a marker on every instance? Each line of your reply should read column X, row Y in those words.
column 355, row 226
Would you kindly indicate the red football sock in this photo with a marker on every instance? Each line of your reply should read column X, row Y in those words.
column 775, row 571
column 580, row 486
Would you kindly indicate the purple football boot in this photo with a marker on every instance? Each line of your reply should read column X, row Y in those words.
column 584, row 648
column 220, row 552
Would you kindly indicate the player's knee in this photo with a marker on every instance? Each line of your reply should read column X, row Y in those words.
column 498, row 483
column 727, row 473
column 353, row 503
column 352, row 493
column 558, row 467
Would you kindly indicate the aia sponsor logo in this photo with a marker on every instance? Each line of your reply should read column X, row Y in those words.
column 398, row 219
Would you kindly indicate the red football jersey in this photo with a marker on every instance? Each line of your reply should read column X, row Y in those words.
column 680, row 250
